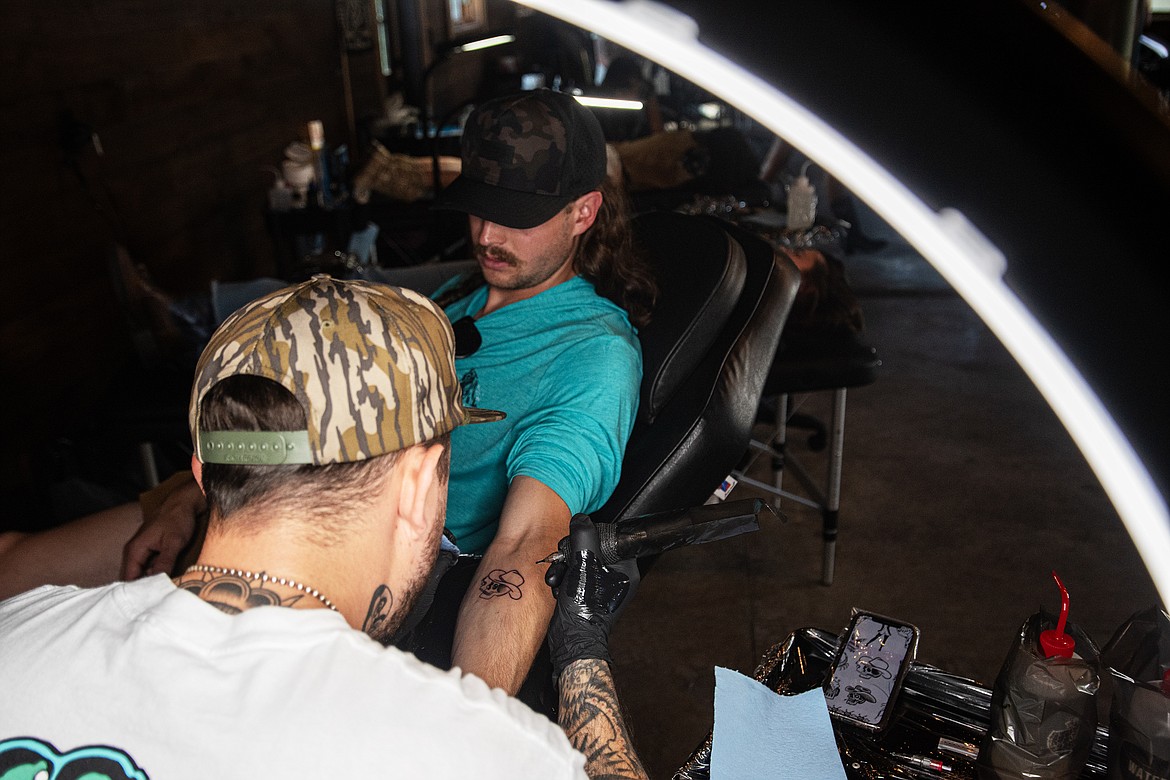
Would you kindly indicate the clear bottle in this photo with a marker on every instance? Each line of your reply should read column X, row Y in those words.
column 802, row 202
column 320, row 164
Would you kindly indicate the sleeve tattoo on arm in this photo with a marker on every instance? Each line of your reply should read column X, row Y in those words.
column 501, row 583
column 591, row 717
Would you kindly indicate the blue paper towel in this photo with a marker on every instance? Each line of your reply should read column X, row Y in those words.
column 761, row 734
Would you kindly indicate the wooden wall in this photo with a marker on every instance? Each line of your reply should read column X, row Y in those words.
column 191, row 100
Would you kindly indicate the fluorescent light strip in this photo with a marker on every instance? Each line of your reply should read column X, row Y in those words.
column 600, row 102
column 1157, row 46
column 970, row 264
column 485, row 43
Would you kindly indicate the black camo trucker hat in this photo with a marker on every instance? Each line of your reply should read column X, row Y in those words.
column 525, row 157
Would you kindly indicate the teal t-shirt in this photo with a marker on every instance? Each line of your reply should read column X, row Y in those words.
column 565, row 365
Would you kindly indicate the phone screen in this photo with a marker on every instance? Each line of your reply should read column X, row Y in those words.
column 869, row 668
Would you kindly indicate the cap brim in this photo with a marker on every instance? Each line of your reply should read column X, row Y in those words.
column 472, row 415
column 510, row 208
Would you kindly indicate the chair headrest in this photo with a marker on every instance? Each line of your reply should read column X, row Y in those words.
column 700, row 271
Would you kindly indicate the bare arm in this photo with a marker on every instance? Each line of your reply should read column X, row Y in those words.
column 592, row 719
column 85, row 552
column 124, row 542
column 505, row 614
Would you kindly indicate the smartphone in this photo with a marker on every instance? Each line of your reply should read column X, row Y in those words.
column 869, row 668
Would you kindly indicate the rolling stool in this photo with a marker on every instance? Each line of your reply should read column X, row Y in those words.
column 808, row 363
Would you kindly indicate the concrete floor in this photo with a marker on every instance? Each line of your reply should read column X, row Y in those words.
column 961, row 493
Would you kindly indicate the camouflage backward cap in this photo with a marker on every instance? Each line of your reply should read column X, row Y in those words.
column 526, row 157
column 372, row 366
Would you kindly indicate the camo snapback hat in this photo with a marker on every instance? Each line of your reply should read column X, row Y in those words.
column 525, row 157
column 372, row 365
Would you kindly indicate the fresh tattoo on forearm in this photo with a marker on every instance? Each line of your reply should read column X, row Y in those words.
column 592, row 719
column 502, row 583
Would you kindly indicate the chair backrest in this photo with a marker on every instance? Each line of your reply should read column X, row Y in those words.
column 701, row 272
column 724, row 296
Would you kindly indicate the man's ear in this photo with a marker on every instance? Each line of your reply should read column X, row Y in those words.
column 585, row 210
column 197, row 472
column 419, row 472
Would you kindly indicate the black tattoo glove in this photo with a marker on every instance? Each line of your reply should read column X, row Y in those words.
column 588, row 594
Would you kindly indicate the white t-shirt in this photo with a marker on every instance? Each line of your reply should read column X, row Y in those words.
column 150, row 681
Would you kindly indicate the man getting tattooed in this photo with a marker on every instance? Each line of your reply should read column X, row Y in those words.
column 321, row 417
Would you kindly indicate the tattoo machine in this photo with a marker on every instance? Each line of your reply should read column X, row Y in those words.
column 637, row 537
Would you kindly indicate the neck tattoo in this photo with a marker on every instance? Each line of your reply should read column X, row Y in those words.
column 263, row 577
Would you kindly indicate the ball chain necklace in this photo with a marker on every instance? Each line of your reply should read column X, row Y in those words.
column 264, row 577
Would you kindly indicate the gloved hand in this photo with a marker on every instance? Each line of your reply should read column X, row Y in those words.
column 588, row 594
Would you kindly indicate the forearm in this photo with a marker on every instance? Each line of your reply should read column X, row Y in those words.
column 503, row 618
column 85, row 552
column 592, row 719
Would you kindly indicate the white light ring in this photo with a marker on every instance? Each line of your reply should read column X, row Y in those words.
column 670, row 39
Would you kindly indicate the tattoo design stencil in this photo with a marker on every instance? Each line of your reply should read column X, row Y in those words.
column 501, row 583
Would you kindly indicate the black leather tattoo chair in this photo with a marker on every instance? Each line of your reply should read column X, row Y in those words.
column 724, row 296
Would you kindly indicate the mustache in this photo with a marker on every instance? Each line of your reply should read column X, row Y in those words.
column 497, row 255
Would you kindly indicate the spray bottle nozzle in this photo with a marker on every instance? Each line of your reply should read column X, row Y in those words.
column 1056, row 642
column 802, row 177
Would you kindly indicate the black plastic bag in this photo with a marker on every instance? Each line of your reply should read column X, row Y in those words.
column 1043, row 710
column 1138, row 658
column 939, row 716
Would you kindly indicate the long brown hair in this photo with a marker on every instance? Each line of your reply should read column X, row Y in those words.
column 608, row 257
